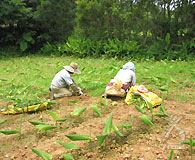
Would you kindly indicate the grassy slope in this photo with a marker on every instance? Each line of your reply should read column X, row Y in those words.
column 27, row 78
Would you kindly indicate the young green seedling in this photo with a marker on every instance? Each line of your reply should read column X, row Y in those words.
column 127, row 126
column 44, row 127
column 42, row 154
column 101, row 138
column 96, row 110
column 114, row 127
column 171, row 154
column 3, row 121
column 139, row 109
column 77, row 137
column 78, row 111
column 151, row 109
column 36, row 122
column 191, row 143
column 107, row 131
column 146, row 120
column 68, row 156
column 8, row 132
column 69, row 146
column 108, row 126
column 55, row 117
column 101, row 101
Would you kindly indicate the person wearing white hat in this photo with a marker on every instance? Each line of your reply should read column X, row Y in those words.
column 126, row 76
column 63, row 85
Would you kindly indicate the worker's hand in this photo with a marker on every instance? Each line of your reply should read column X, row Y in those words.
column 80, row 92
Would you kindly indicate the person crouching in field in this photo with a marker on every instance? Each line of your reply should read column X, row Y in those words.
column 124, row 79
column 63, row 85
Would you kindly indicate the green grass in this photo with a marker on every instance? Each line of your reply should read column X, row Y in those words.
column 26, row 80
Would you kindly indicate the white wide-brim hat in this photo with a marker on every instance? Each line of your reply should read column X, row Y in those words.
column 73, row 68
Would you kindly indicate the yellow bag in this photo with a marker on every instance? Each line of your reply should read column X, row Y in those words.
column 147, row 95
column 115, row 89
column 11, row 109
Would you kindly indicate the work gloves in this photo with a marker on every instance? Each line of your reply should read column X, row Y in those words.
column 77, row 91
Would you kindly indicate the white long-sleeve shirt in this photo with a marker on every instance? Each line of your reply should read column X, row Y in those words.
column 126, row 76
column 62, row 79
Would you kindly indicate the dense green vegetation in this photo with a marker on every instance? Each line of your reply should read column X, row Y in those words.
column 126, row 28
column 26, row 80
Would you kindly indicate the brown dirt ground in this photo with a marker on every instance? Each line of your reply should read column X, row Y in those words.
column 140, row 143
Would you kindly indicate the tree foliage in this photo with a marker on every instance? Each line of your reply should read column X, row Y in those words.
column 161, row 28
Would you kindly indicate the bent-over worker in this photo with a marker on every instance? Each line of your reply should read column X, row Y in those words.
column 126, row 76
column 63, row 85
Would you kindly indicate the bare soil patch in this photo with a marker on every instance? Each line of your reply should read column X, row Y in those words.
column 142, row 142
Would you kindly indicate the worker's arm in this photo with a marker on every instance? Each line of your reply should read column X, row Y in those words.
column 76, row 90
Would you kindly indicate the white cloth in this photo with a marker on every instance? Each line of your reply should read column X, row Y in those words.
column 126, row 76
column 129, row 66
column 62, row 80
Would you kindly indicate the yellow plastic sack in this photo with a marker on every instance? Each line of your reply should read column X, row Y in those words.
column 147, row 95
column 115, row 90
column 11, row 109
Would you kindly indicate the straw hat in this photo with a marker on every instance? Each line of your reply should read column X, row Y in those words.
column 73, row 68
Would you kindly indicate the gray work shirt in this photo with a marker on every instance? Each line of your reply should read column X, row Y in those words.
column 62, row 79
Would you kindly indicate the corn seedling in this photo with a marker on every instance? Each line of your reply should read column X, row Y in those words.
column 72, row 101
column 69, row 146
column 127, row 126
column 116, row 130
column 55, row 117
column 77, row 137
column 42, row 154
column 3, row 121
column 139, row 109
column 78, row 111
column 146, row 120
column 36, row 122
column 96, row 110
column 191, row 143
column 8, row 132
column 68, row 156
column 44, row 127
column 101, row 101
column 171, row 154
column 108, row 126
column 101, row 138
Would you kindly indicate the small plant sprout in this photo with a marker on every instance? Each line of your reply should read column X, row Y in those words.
column 151, row 110
column 171, row 154
column 108, row 126
column 69, row 146
column 8, row 132
column 146, row 120
column 96, row 110
column 116, row 130
column 55, row 117
column 191, row 143
column 36, row 122
column 139, row 109
column 77, row 137
column 42, row 154
column 78, row 111
column 72, row 101
column 127, row 126
column 68, row 156
column 101, row 138
column 101, row 101
column 44, row 127
column 3, row 121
